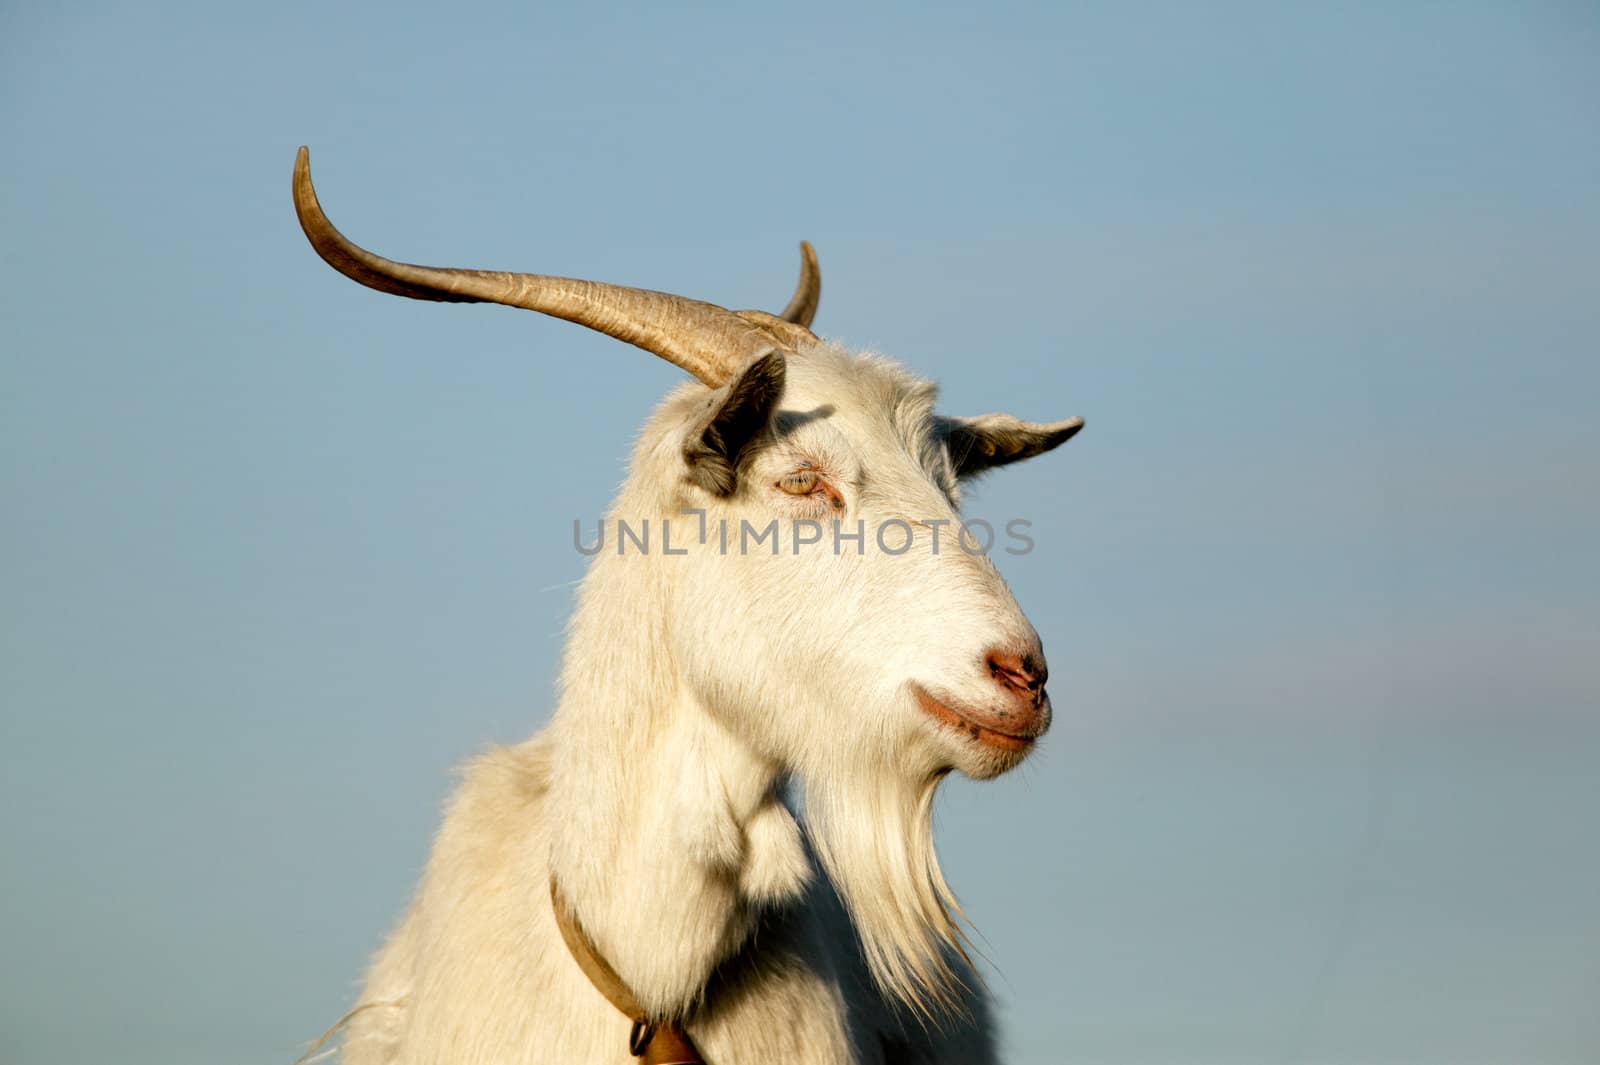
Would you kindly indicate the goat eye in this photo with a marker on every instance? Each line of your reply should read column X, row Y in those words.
column 799, row 483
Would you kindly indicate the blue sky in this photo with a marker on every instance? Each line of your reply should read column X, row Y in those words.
column 1317, row 581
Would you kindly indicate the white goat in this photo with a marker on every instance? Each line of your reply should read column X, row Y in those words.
column 699, row 684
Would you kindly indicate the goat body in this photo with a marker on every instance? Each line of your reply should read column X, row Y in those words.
column 708, row 693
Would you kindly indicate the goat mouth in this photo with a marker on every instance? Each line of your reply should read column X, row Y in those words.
column 986, row 734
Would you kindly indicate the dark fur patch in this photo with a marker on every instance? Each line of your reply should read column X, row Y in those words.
column 713, row 453
column 979, row 444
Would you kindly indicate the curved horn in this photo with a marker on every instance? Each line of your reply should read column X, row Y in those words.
column 710, row 342
column 807, row 291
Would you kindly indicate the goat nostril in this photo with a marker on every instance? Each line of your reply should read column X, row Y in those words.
column 1021, row 674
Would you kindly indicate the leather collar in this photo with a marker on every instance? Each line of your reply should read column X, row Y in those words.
column 657, row 1041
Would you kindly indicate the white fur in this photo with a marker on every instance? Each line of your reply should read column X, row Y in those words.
column 697, row 693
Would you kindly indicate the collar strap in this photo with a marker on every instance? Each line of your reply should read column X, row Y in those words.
column 657, row 1042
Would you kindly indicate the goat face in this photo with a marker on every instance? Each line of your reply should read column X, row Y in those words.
column 866, row 673
column 865, row 627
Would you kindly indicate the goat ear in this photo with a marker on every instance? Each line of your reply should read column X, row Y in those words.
column 982, row 443
column 742, row 409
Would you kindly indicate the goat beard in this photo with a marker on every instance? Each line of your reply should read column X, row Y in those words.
column 873, row 833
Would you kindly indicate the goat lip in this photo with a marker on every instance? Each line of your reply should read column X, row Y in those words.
column 974, row 723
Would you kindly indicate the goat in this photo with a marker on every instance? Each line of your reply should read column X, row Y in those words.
column 711, row 696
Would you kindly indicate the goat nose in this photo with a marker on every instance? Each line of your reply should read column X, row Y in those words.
column 1023, row 674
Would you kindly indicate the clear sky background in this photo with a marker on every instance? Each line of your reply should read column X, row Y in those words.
column 1318, row 582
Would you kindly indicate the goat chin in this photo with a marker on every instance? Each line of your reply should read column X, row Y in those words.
column 873, row 834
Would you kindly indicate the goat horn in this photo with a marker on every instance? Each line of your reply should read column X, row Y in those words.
column 807, row 291
column 708, row 341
